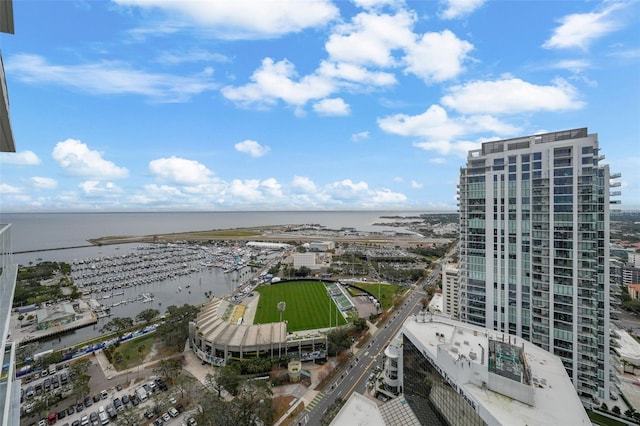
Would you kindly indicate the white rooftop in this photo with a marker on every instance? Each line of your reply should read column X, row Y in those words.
column 358, row 411
column 629, row 349
column 514, row 383
column 436, row 303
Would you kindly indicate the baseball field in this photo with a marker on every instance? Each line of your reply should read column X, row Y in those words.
column 308, row 306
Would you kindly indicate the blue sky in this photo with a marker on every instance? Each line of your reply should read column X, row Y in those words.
column 278, row 104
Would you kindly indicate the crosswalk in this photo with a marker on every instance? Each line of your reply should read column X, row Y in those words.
column 313, row 403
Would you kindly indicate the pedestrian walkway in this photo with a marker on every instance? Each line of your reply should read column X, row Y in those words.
column 315, row 400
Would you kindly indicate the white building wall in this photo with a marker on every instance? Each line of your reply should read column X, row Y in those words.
column 305, row 259
column 450, row 290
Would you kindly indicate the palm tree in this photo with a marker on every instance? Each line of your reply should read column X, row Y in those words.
column 282, row 306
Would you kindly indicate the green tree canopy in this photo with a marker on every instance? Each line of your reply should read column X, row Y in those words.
column 147, row 315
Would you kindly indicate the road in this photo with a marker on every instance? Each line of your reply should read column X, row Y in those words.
column 354, row 377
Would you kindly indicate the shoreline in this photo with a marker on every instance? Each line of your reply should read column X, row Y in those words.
column 266, row 233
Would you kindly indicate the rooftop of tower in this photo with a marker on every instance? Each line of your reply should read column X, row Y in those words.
column 505, row 378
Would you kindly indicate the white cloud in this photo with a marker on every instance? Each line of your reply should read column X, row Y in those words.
column 248, row 189
column 347, row 190
column 386, row 196
column 510, row 96
column 625, row 54
column 437, row 57
column 108, row 78
column 459, row 8
column 440, row 133
column 581, row 29
column 252, row 148
column 302, row 184
column 369, row 38
column 433, row 123
column 180, row 171
column 23, row 158
column 373, row 4
column 346, row 73
column 9, row 189
column 97, row 188
column 76, row 157
column 274, row 81
column 398, row 179
column 416, row 185
column 197, row 55
column 360, row 136
column 447, row 147
column 573, row 65
column 44, row 182
column 272, row 188
column 246, row 19
column 437, row 160
column 335, row 106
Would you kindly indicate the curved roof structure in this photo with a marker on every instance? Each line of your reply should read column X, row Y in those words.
column 211, row 327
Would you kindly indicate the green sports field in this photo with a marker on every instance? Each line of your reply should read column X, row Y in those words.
column 308, row 305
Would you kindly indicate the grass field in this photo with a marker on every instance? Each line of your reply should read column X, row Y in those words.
column 132, row 352
column 308, row 305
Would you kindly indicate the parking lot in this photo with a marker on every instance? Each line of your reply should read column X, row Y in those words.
column 148, row 395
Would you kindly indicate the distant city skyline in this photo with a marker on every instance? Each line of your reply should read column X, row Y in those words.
column 130, row 105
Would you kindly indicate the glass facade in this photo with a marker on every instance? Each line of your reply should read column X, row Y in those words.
column 534, row 231
column 433, row 400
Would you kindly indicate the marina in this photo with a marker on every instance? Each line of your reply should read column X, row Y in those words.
column 123, row 281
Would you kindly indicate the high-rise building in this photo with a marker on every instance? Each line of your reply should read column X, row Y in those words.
column 450, row 296
column 452, row 373
column 9, row 388
column 6, row 135
column 534, row 247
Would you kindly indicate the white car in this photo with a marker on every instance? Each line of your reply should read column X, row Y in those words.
column 166, row 417
column 173, row 412
column 172, row 400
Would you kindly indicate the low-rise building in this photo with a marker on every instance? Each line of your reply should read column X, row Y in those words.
column 322, row 245
column 307, row 259
column 55, row 315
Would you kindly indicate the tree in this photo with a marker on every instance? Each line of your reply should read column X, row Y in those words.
column 129, row 417
column 147, row 315
column 251, row 405
column 226, row 378
column 424, row 302
column 79, row 379
column 604, row 406
column 175, row 330
column 338, row 340
column 360, row 324
column 118, row 325
column 303, row 271
column 616, row 410
column 168, row 368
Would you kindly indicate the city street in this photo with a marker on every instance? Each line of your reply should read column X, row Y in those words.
column 355, row 376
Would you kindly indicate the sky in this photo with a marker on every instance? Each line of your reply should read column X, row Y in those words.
column 302, row 104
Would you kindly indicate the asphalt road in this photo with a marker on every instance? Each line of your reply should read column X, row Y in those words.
column 354, row 378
